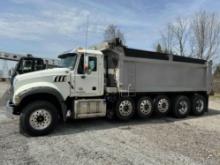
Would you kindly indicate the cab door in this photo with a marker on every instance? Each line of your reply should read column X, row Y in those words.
column 87, row 83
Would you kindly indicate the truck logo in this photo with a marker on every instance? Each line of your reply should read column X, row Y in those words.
column 60, row 79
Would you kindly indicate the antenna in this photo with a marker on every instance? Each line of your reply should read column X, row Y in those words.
column 86, row 42
column 86, row 34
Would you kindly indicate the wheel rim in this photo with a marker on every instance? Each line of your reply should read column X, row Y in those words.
column 183, row 107
column 145, row 106
column 163, row 105
column 125, row 108
column 40, row 119
column 199, row 105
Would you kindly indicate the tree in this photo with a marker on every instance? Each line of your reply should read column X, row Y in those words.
column 158, row 48
column 174, row 37
column 198, row 36
column 205, row 35
column 217, row 72
column 180, row 31
column 112, row 32
column 166, row 40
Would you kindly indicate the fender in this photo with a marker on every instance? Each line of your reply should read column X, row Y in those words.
column 46, row 90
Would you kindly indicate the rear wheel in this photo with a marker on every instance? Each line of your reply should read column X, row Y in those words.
column 162, row 104
column 38, row 118
column 181, row 107
column 199, row 105
column 124, row 108
column 145, row 107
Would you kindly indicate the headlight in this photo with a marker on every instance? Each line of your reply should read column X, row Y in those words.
column 16, row 99
column 14, row 82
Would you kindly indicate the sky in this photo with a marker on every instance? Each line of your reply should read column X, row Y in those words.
column 46, row 28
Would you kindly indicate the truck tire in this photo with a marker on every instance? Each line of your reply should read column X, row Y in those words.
column 181, row 107
column 110, row 114
column 124, row 109
column 38, row 118
column 145, row 107
column 199, row 105
column 162, row 104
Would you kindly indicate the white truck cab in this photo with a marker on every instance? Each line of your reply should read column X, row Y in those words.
column 86, row 72
column 81, row 75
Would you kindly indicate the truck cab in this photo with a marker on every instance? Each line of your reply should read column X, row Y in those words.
column 86, row 72
column 75, row 89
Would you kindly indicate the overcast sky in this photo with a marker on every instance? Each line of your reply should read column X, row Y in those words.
column 48, row 27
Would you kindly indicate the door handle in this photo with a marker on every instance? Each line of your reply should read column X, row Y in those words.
column 70, row 84
column 93, row 88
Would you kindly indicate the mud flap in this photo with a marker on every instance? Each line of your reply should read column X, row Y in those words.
column 64, row 111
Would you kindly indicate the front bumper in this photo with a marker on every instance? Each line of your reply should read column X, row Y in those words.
column 11, row 109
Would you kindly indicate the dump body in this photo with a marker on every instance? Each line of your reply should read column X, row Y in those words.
column 145, row 71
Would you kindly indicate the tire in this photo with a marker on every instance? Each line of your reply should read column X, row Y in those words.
column 144, row 107
column 110, row 115
column 162, row 105
column 181, row 107
column 199, row 105
column 124, row 109
column 38, row 118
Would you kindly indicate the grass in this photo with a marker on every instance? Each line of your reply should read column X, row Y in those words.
column 216, row 96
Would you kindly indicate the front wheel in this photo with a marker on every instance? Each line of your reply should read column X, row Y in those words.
column 38, row 118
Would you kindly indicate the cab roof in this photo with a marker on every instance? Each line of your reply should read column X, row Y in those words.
column 82, row 51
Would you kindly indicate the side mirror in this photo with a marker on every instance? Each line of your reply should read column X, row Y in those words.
column 87, row 70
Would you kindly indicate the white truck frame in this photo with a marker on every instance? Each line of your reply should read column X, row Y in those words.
column 114, row 81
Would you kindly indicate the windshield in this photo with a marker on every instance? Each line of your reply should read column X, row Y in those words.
column 68, row 60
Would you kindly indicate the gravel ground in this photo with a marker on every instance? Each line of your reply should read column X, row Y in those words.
column 4, row 92
column 159, row 140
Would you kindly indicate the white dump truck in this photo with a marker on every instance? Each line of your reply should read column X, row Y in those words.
column 111, row 80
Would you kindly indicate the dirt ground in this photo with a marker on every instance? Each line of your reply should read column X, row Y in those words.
column 159, row 140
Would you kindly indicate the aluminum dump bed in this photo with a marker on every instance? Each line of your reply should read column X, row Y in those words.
column 133, row 70
column 144, row 71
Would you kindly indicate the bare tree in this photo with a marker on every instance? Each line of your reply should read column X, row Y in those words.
column 198, row 37
column 166, row 41
column 111, row 32
column 180, row 30
column 205, row 35
column 174, row 37
column 159, row 48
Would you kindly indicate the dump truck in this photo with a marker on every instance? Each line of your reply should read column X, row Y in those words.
column 26, row 65
column 113, row 81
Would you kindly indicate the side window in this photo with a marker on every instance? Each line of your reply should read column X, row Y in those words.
column 80, row 69
column 92, row 64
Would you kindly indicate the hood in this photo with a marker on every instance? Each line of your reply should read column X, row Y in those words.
column 43, row 73
column 56, row 78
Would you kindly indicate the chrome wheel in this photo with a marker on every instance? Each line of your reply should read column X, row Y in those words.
column 125, row 108
column 146, row 106
column 199, row 105
column 183, row 107
column 163, row 105
column 40, row 119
